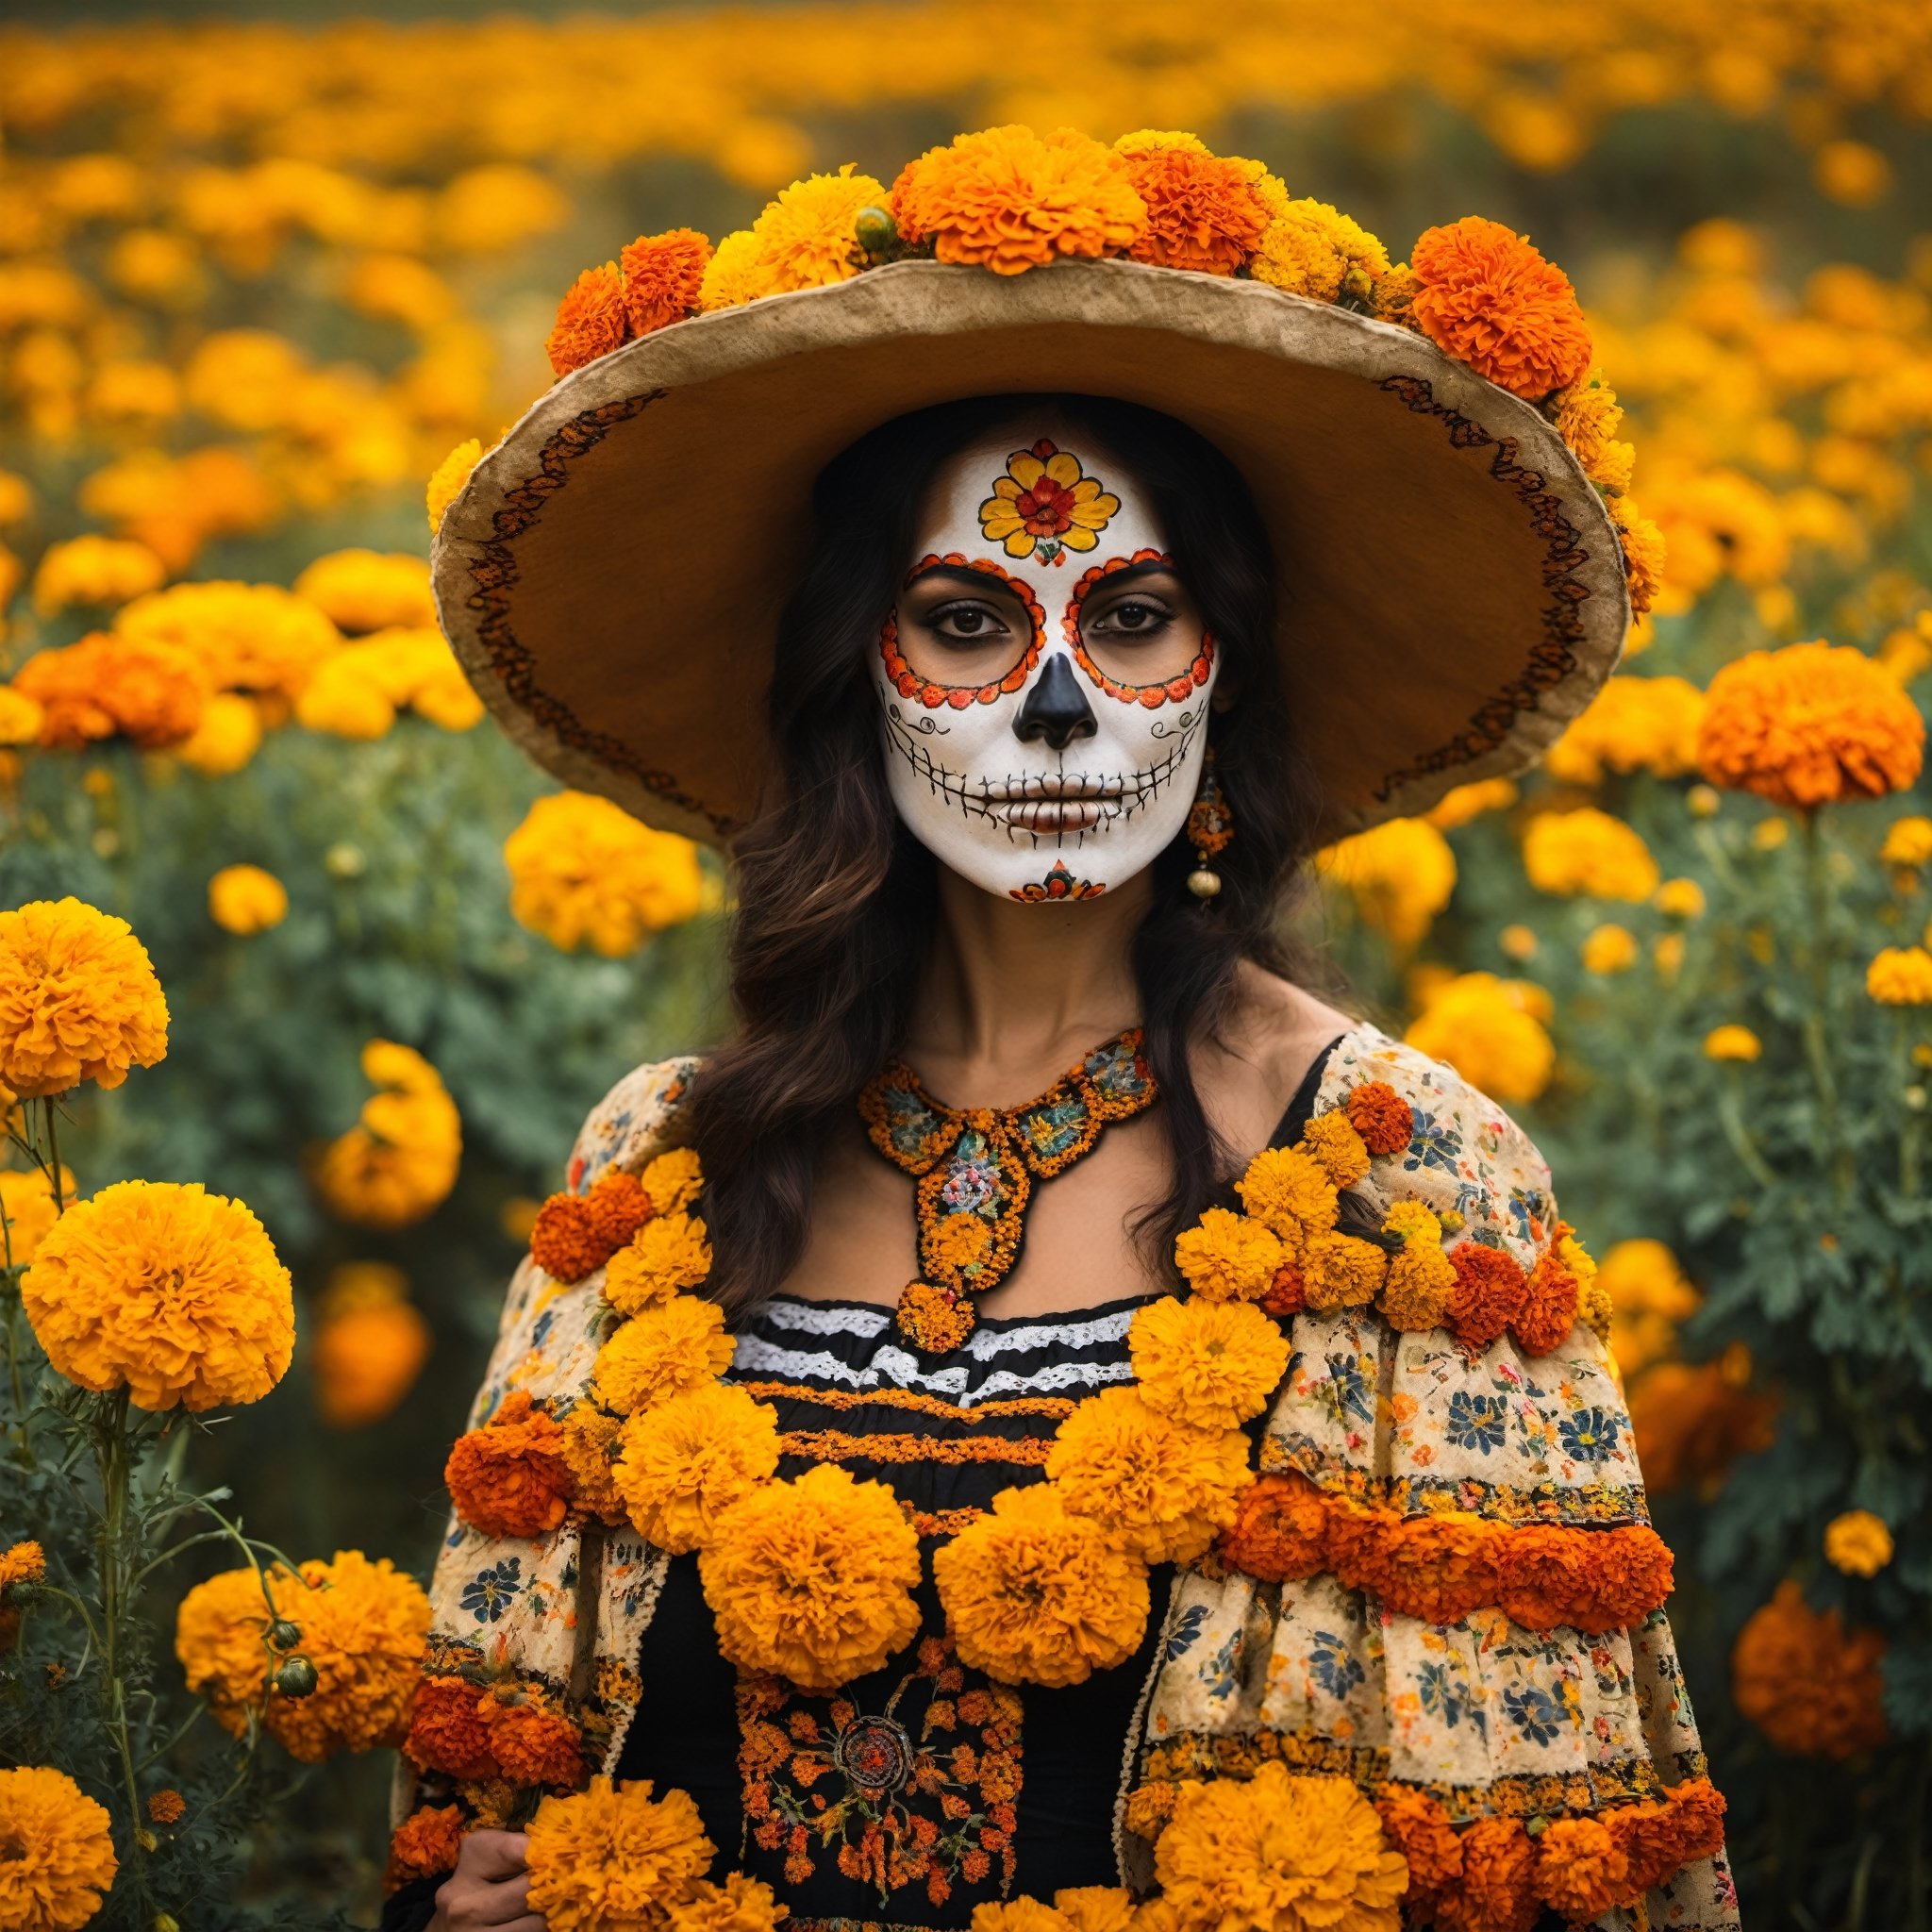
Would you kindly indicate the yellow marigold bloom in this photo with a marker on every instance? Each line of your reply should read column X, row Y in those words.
column 100, row 571
column 244, row 899
column 687, row 1461
column 1228, row 1256
column 1648, row 1296
column 1517, row 942
column 22, row 1562
column 736, row 1904
column 667, row 1255
column 1036, row 1595
column 1096, row 1907
column 1732, row 1042
column 78, row 999
column 807, row 238
column 1908, row 842
column 590, row 1450
column 362, row 1625
column 1288, row 1190
column 1467, row 802
column 227, row 737
column 1680, row 899
column 613, row 1856
column 1019, row 1915
column 1160, row 1488
column 22, row 717
column 1421, row 1277
column 1487, row 1030
column 1401, row 875
column 1312, row 249
column 56, row 1851
column 812, row 1579
column 1588, row 852
column 1858, row 1543
column 1588, row 417
column 1807, row 725
column 1332, row 1140
column 1211, row 1365
column 447, row 480
column 1610, row 949
column 1283, row 1853
column 584, row 871
column 400, row 1160
column 26, row 1201
column 167, row 1290
column 1339, row 1271
column 1900, row 976
column 673, row 1181
column 369, row 1346
column 362, row 590
column 661, row 1352
column 1632, row 725
column 16, row 499
column 730, row 277
column 247, row 637
column 1008, row 199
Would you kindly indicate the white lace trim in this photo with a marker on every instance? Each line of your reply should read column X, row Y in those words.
column 753, row 1355
column 827, row 1318
column 984, row 1342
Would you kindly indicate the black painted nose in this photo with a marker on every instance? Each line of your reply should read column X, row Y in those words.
column 1056, row 708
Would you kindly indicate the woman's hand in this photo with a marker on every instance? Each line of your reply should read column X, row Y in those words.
column 489, row 1888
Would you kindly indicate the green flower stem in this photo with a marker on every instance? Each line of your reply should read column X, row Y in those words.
column 1909, row 1132
column 1816, row 953
column 1730, row 1117
column 116, row 1583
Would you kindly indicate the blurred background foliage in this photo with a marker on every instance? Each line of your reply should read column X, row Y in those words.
column 257, row 276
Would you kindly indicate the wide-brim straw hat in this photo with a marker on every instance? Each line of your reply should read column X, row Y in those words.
column 1453, row 590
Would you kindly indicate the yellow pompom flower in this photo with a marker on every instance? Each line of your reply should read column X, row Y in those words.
column 247, row 637
column 1590, row 852
column 1096, row 1907
column 1312, row 249
column 1288, row 1190
column 1160, row 1488
column 813, row 1579
column 661, row 1352
column 244, row 899
column 78, row 999
column 447, row 480
column 362, row 590
column 400, row 1160
column 1332, row 1140
column 667, row 1255
column 1421, row 1278
column 22, row 1562
column 673, row 1181
column 1401, row 873
column 1858, row 1543
column 165, row 1290
column 584, row 871
column 1036, row 1595
column 227, row 737
column 589, row 1451
column 22, row 717
column 1680, row 899
column 684, row 1463
column 736, row 1904
column 56, row 1851
column 1228, row 1258
column 1277, row 1853
column 1632, row 725
column 612, row 1858
column 1490, row 1030
column 806, row 239
column 95, row 571
column 1610, row 949
column 1907, row 842
column 1211, row 1365
column 1900, row 976
column 1732, row 1042
column 26, row 1202
column 1339, row 1271
column 1647, row 1295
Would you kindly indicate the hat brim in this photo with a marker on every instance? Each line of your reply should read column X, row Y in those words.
column 611, row 575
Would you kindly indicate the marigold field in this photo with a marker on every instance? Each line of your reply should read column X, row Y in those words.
column 304, row 973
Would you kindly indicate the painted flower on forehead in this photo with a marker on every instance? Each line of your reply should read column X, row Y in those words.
column 1044, row 505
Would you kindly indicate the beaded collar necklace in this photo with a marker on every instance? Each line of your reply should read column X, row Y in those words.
column 975, row 1167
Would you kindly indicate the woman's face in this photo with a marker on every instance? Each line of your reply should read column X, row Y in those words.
column 1044, row 675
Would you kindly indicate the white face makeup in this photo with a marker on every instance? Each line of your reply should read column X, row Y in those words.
column 1044, row 676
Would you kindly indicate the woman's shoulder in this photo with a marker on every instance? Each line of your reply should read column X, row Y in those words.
column 637, row 1120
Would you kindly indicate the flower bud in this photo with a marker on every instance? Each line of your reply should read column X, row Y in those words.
column 284, row 1635
column 295, row 1677
column 165, row 1922
column 876, row 230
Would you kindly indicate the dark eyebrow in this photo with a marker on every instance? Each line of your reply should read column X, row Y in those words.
column 965, row 579
column 1146, row 567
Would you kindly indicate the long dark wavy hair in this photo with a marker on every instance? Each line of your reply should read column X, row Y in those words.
column 837, row 901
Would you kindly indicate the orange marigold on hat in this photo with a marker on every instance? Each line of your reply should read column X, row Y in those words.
column 1008, row 199
column 1643, row 553
column 1203, row 212
column 1211, row 1365
column 613, row 1856
column 591, row 321
column 663, row 1351
column 425, row 1845
column 1228, row 1256
column 683, row 1465
column 813, row 1579
column 56, row 1851
column 1034, row 1594
column 736, row 1904
column 1812, row 1687
column 511, row 1477
column 1588, row 416
column 1281, row 1529
column 1489, row 299
column 663, row 279
column 166, row 1291
column 78, row 999
column 447, row 480
column 1808, row 726
column 1292, row 1854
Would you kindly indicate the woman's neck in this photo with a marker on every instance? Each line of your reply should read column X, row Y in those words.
column 1014, row 993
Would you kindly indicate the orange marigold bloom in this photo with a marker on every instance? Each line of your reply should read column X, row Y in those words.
column 1008, row 199
column 1420, row 1829
column 1287, row 1293
column 590, row 319
column 145, row 691
column 662, row 277
column 1498, row 1877
column 1813, row 1687
column 611, row 1857
column 1331, row 1139
column 1691, row 1423
column 617, row 1206
column 1489, row 1291
column 1227, row 1256
column 166, row 1805
column 22, row 1562
column 1591, row 1579
column 1807, row 725
column 446, row 1731
column 534, row 1743
column 425, row 1845
column 1660, row 1838
column 575, row 1234
column 1489, row 299
column 1281, row 1529
column 1549, row 1309
column 1580, row 1868
column 1438, row 1567
column 511, row 1477
column 1203, row 212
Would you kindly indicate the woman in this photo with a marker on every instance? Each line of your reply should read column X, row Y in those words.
column 1213, row 1485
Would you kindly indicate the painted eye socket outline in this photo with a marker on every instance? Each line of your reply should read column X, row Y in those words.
column 935, row 696
column 1172, row 691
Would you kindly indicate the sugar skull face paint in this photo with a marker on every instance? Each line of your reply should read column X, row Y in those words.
column 1044, row 676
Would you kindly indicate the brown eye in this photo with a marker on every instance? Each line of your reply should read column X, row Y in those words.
column 966, row 621
column 1134, row 619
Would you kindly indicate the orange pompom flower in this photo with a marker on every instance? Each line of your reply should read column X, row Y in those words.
column 530, row 1738
column 1203, row 212
column 512, row 1476
column 1489, row 1291
column 446, row 1731
column 1812, row 1687
column 1489, row 299
column 612, row 1858
column 1418, row 1828
column 591, row 320
column 663, row 276
column 1580, row 1868
column 78, row 999
column 1547, row 1313
column 1498, row 1876
column 1281, row 1529
column 687, row 1461
column 425, row 1845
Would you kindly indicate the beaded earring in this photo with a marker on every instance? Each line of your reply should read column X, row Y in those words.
column 1211, row 828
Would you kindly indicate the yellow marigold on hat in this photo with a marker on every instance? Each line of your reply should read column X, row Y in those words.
column 1400, row 875
column 663, row 279
column 1036, row 1595
column 1210, row 1365
column 1160, row 1488
column 56, row 1851
column 1812, row 1687
column 806, row 238
column 1632, row 725
column 1228, row 1256
column 165, row 1290
column 1489, row 299
column 511, row 1477
column 1858, row 1543
column 667, row 1255
column 1808, row 726
column 245, row 900
column 1732, row 1042
column 1203, row 212
column 663, row 1351
column 227, row 737
column 447, row 480
column 26, row 1202
column 1588, row 417
column 1490, row 1030
column 248, row 636
column 361, row 1624
column 1589, row 853
column 612, row 1857
column 1285, row 1853
column 1009, row 199
column 151, row 693
column 1907, row 842
column 400, row 1160
column 1643, row 553
column 674, row 1180
column 583, row 872
column 1313, row 249
column 812, row 1580
column 591, row 321
column 683, row 1464
column 1333, row 1141
column 1900, row 976
column 736, row 1904
column 1421, row 1278
column 1288, row 1190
